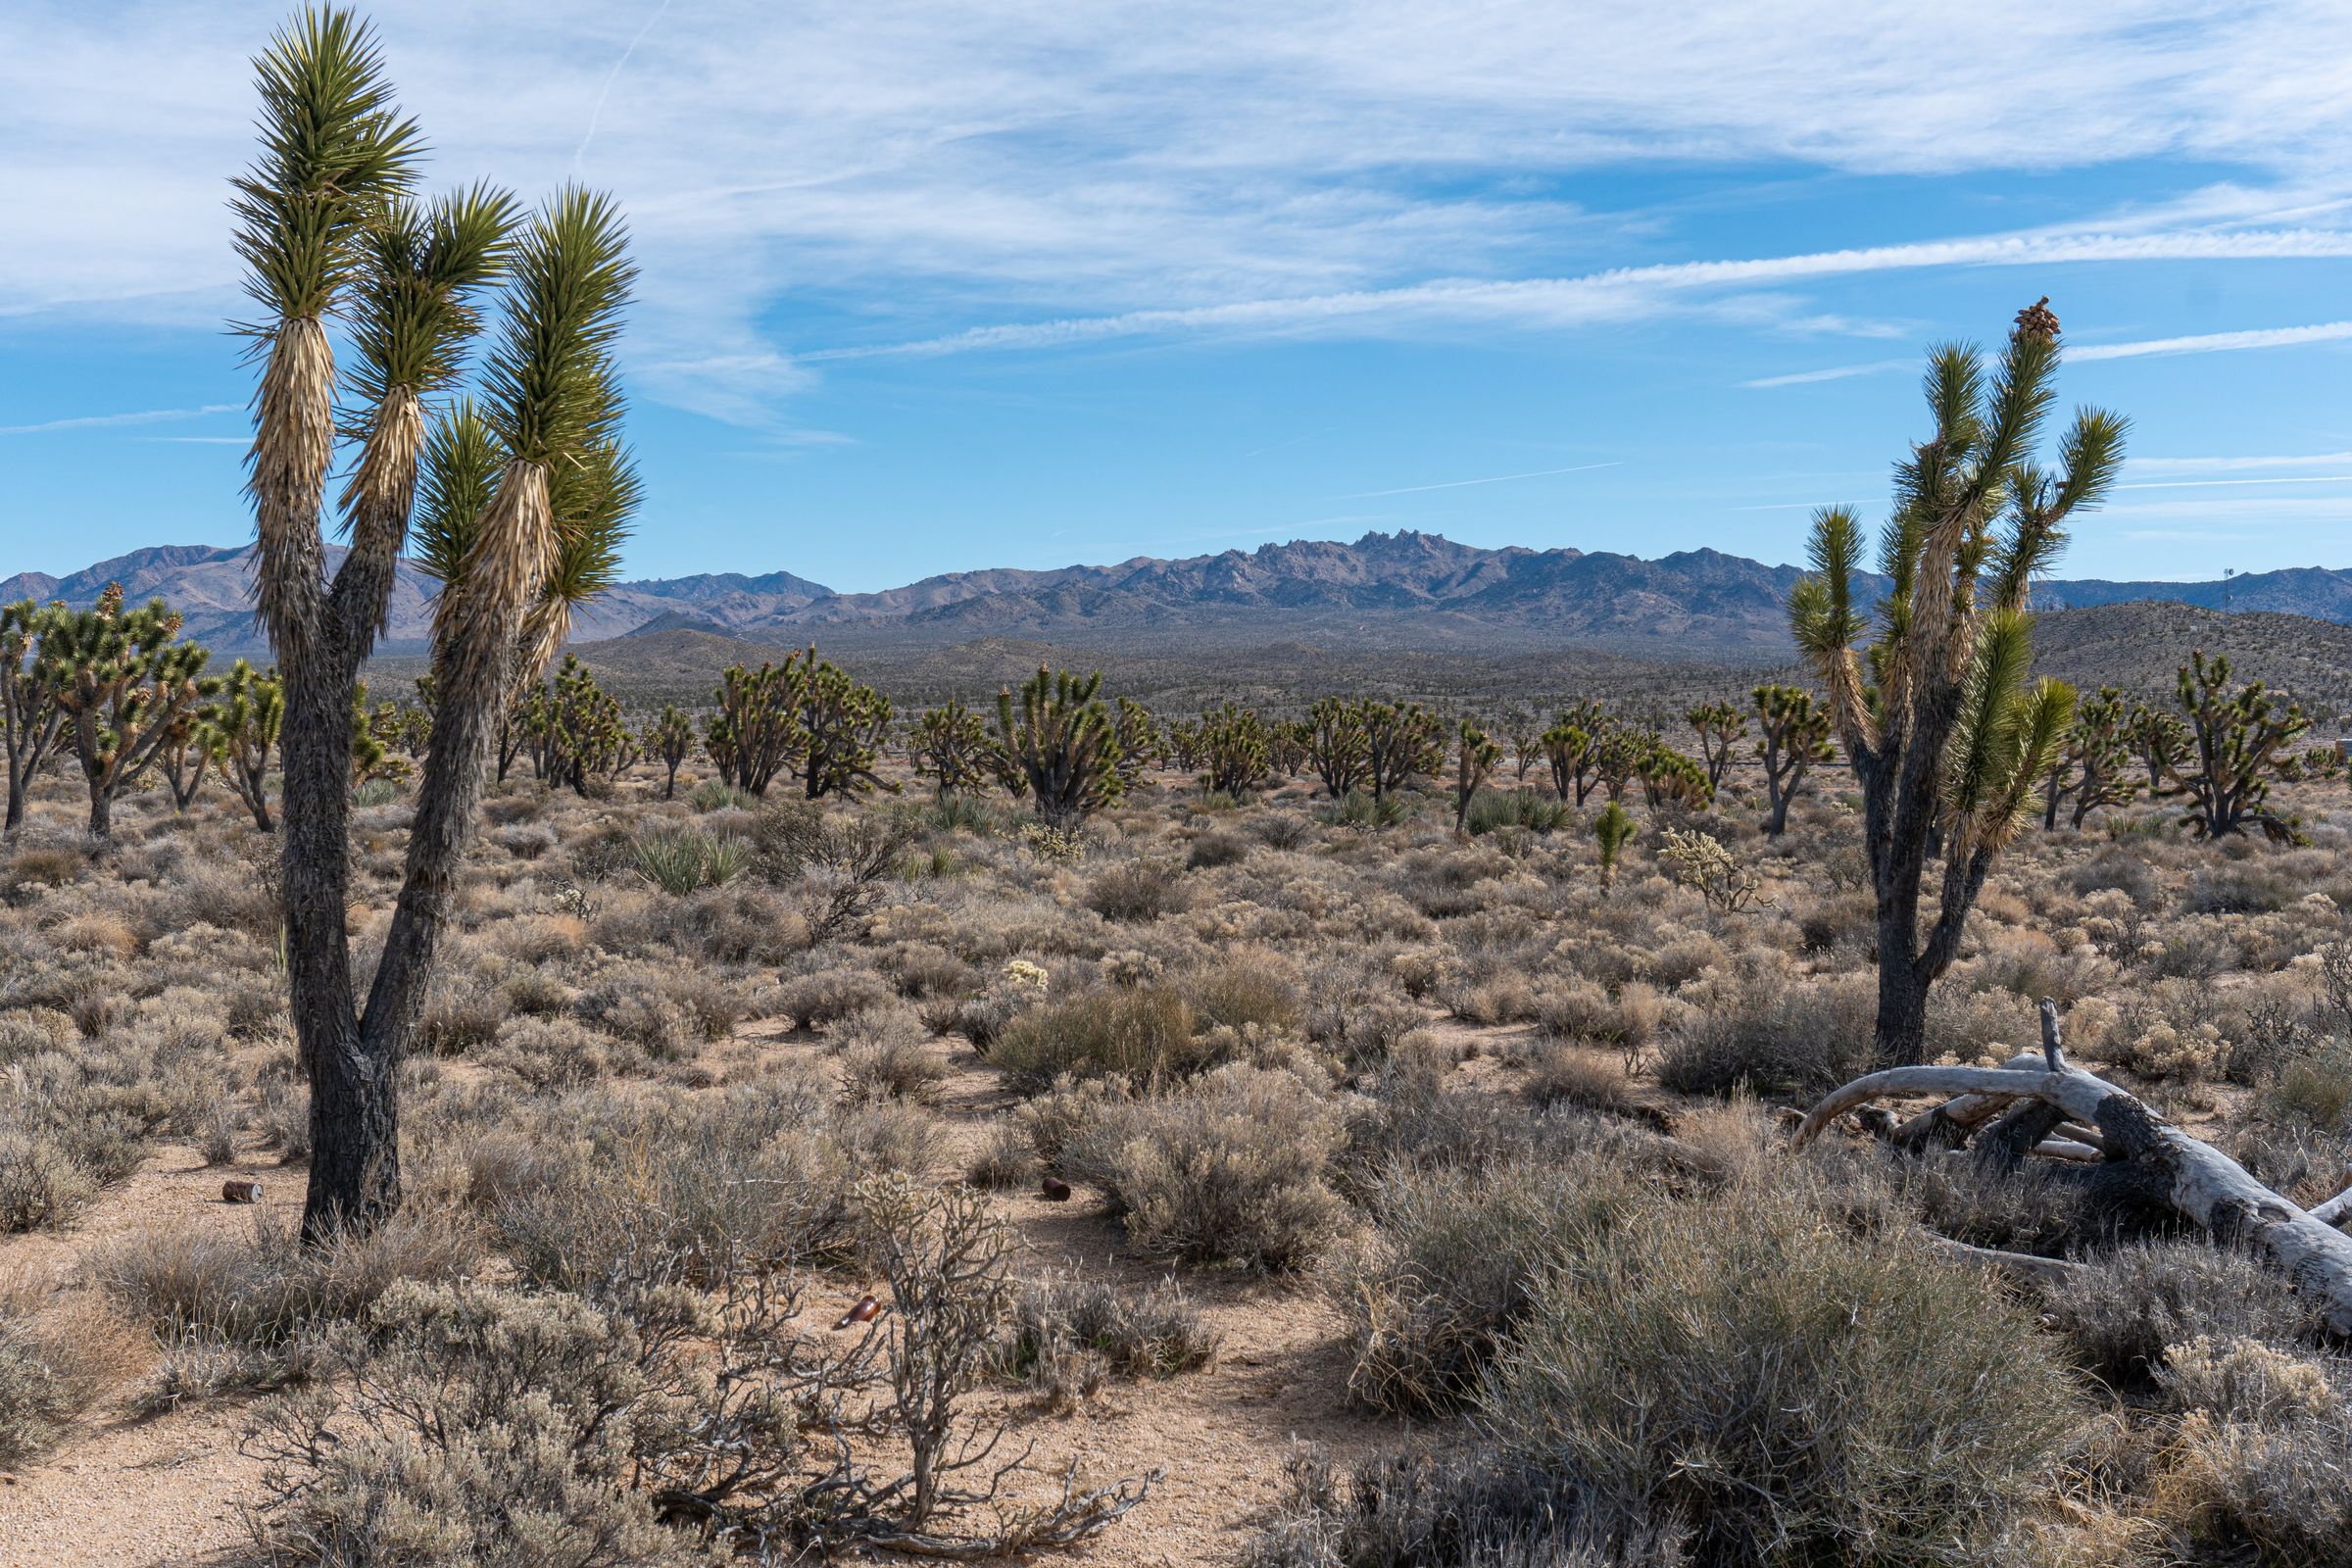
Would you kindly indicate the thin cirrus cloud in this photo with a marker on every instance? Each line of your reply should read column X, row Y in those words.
column 1637, row 292
column 2274, row 337
column 102, row 422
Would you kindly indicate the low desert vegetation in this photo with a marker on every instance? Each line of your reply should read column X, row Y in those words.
column 1902, row 1127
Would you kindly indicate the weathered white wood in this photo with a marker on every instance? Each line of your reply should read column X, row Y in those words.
column 2202, row 1182
column 2067, row 1149
column 2335, row 1210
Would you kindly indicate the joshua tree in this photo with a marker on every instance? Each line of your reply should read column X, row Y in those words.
column 1612, row 830
column 1944, row 725
column 1797, row 735
column 30, row 715
column 185, row 756
column 1139, row 741
column 1672, row 778
column 756, row 733
column 1720, row 727
column 667, row 739
column 244, row 723
column 842, row 725
column 2159, row 739
column 951, row 748
column 127, row 686
column 2239, row 743
column 582, row 735
column 1568, row 750
column 1524, row 732
column 1400, row 742
column 1335, row 744
column 1235, row 750
column 2088, row 769
column 1288, row 740
column 1060, row 744
column 1475, row 759
column 520, row 496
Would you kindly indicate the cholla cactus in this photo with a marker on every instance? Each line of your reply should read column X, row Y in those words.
column 951, row 748
column 1941, row 720
column 1060, row 744
column 126, row 686
column 667, row 739
column 2241, row 742
column 1797, row 735
column 1720, row 727
column 1234, row 751
column 1702, row 863
column 1475, row 756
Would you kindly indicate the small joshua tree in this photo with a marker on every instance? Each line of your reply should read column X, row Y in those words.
column 29, row 714
column 843, row 724
column 1335, row 744
column 1568, row 751
column 755, row 732
column 244, row 722
column 953, row 750
column 128, row 687
column 1475, row 759
column 667, row 739
column 1235, row 748
column 1720, row 727
column 1401, row 742
column 2239, row 742
column 1061, row 743
column 1672, row 778
column 1287, row 741
column 1612, row 830
column 2091, row 768
column 1138, row 735
column 1942, row 724
column 2158, row 739
column 1797, row 735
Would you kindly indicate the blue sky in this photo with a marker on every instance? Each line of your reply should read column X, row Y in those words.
column 938, row 287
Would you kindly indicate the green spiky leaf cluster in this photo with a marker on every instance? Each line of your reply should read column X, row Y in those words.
column 1059, row 746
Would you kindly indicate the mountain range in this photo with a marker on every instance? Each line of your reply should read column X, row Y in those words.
column 1396, row 590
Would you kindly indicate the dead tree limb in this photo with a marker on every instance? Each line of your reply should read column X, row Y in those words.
column 2195, row 1179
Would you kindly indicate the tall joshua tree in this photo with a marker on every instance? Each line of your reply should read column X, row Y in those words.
column 1942, row 722
column 520, row 498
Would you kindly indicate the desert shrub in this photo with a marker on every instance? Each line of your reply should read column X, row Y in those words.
column 41, row 1184
column 927, row 970
column 1005, row 1158
column 2240, row 888
column 1425, row 1510
column 1787, row 1388
column 475, row 1412
column 459, row 1018
column 2258, row 1468
column 1229, row 1169
column 826, row 996
column 1562, row 1074
column 2121, row 1316
column 1144, row 1032
column 738, row 923
column 2313, row 1088
column 1283, row 830
column 1772, row 1036
column 1242, row 992
column 1212, row 850
column 1452, row 1268
column 552, row 1053
column 2197, row 949
column 1065, row 1336
column 887, row 1054
column 1137, row 891
column 713, row 796
column 55, row 1360
column 1363, row 1020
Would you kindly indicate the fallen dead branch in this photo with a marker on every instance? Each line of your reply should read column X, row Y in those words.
column 2196, row 1180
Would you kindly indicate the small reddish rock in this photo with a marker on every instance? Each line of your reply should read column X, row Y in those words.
column 241, row 1192
column 1057, row 1190
column 865, row 1311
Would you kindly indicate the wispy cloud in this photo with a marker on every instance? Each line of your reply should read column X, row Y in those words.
column 2205, row 484
column 1457, row 484
column 100, row 421
column 2240, row 465
column 1834, row 372
column 2274, row 337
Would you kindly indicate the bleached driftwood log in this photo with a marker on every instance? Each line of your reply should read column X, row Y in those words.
column 2196, row 1178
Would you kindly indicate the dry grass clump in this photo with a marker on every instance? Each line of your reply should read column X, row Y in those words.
column 2256, row 1470
column 1765, row 1033
column 57, row 1356
column 1147, row 1033
column 1231, row 1168
column 2121, row 1318
column 1068, row 1337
